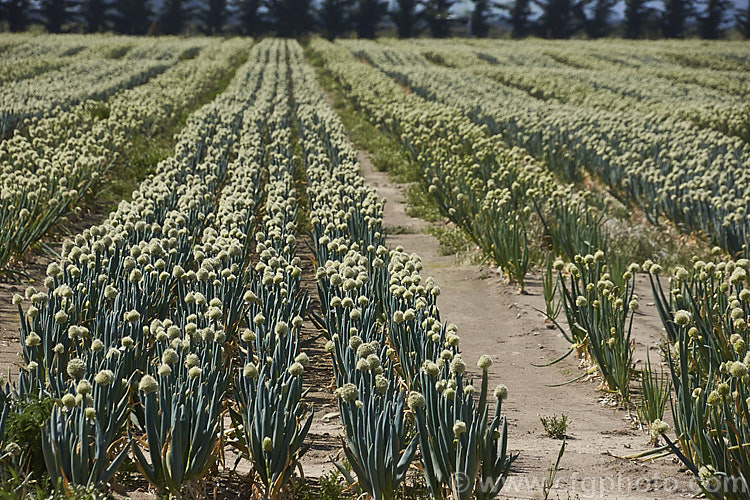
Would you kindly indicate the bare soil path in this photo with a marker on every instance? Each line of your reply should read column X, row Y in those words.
column 493, row 319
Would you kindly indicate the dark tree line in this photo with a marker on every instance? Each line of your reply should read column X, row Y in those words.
column 335, row 18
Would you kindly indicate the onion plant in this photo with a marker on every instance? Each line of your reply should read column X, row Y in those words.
column 600, row 318
column 705, row 313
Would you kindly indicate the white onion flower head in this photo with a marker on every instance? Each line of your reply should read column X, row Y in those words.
column 33, row 340
column 76, row 368
column 281, row 329
column 415, row 400
column 69, row 401
column 459, row 428
column 659, row 427
column 457, row 365
column 682, row 317
column 484, row 362
column 348, row 392
column 83, row 387
column 104, row 377
column 148, row 384
column 192, row 360
column 501, row 392
column 302, row 359
column 250, row 370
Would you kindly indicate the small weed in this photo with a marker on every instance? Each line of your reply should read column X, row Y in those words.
column 392, row 230
column 555, row 426
column 420, row 204
column 98, row 110
column 23, row 427
column 454, row 241
column 330, row 487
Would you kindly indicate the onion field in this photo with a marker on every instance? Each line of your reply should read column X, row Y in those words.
column 255, row 316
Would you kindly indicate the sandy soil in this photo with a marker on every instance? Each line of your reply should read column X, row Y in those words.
column 326, row 427
column 493, row 319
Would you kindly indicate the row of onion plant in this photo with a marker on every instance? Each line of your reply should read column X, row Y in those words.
column 401, row 382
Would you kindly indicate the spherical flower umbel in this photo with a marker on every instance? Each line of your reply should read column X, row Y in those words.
column 148, row 384
column 169, row 357
column 714, row 399
column 430, row 368
column 281, row 328
column 191, row 360
column 68, row 400
column 267, row 444
column 61, row 317
column 501, row 392
column 348, row 392
column 415, row 400
column 484, row 362
column 76, row 368
column 459, row 428
column 296, row 369
column 250, row 370
column 659, row 427
column 104, row 377
column 682, row 317
column 132, row 316
column 248, row 336
column 33, row 340
column 84, row 387
column 97, row 345
column 457, row 365
column 302, row 359
column 738, row 369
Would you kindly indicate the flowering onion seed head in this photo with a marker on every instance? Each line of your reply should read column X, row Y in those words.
column 415, row 400
column 659, row 427
column 457, row 365
column 191, row 360
column 33, row 340
column 348, row 392
column 76, row 368
column 250, row 370
column 682, row 317
column 484, row 362
column 459, row 428
column 84, row 387
column 148, row 384
column 104, row 377
column 501, row 392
